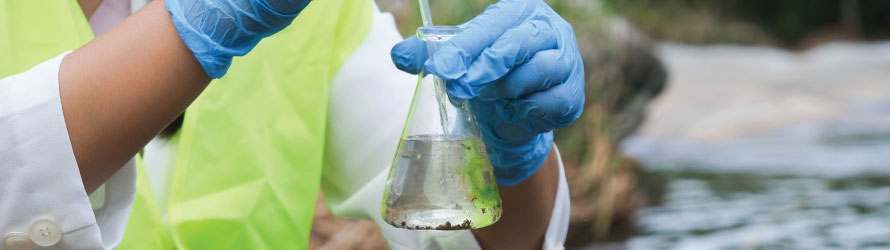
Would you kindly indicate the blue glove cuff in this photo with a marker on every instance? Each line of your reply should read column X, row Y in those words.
column 515, row 163
column 199, row 43
column 217, row 31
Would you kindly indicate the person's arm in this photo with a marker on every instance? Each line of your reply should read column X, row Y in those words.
column 124, row 87
column 528, row 207
column 121, row 89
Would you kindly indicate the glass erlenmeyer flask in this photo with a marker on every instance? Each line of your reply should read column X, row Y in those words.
column 440, row 178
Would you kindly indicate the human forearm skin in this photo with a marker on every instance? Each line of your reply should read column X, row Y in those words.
column 527, row 210
column 124, row 87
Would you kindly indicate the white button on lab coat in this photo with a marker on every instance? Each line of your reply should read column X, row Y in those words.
column 45, row 233
column 42, row 199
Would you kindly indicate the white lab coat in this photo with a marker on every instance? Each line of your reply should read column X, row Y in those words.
column 40, row 185
column 40, row 182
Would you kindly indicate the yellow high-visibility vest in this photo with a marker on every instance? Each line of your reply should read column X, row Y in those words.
column 35, row 31
column 250, row 150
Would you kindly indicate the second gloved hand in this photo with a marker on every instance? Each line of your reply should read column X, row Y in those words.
column 217, row 30
column 518, row 63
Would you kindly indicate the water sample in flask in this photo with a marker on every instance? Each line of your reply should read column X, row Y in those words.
column 440, row 177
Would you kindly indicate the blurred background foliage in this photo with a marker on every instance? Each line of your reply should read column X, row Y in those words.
column 782, row 23
column 786, row 23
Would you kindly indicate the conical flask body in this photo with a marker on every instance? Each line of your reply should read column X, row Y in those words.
column 440, row 177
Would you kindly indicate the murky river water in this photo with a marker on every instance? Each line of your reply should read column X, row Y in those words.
column 758, row 148
column 746, row 211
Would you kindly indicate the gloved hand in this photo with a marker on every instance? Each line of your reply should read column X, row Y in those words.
column 518, row 63
column 217, row 30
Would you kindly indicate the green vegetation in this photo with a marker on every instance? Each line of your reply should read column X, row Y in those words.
column 786, row 22
column 789, row 23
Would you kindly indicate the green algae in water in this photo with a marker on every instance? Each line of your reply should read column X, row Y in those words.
column 441, row 182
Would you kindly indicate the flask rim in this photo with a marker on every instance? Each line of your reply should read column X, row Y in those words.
column 447, row 31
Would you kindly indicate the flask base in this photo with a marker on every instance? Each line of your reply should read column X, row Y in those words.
column 425, row 219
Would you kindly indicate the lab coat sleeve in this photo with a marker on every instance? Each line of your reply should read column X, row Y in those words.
column 367, row 108
column 42, row 198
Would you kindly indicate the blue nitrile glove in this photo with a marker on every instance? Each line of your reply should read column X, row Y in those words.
column 217, row 30
column 518, row 63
